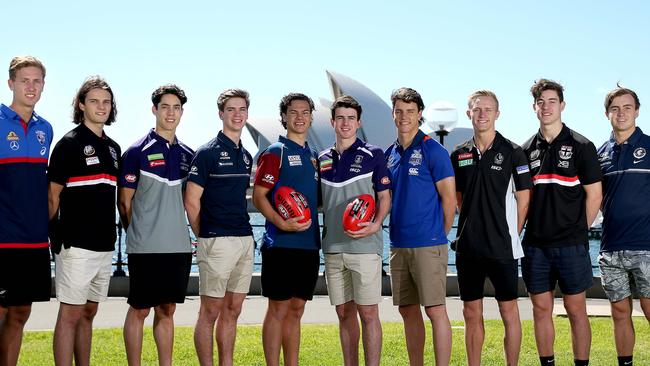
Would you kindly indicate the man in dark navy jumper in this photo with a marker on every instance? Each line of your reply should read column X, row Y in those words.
column 625, row 248
column 215, row 201
column 564, row 203
column 25, row 140
column 290, row 257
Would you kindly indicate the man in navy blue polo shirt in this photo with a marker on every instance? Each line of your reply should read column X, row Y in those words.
column 290, row 257
column 83, row 184
column 625, row 248
column 151, row 208
column 353, row 259
column 564, row 203
column 215, row 200
column 25, row 139
column 424, row 204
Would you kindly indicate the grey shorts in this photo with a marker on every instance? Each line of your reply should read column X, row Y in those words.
column 624, row 273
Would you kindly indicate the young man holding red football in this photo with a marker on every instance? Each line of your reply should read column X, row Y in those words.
column 290, row 257
column 353, row 259
column 424, row 204
column 215, row 201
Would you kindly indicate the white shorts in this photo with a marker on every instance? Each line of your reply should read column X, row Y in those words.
column 353, row 277
column 225, row 264
column 82, row 275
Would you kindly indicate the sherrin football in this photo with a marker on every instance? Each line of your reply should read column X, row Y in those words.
column 290, row 204
column 362, row 209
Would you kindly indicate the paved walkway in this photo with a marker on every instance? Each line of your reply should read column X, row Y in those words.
column 112, row 312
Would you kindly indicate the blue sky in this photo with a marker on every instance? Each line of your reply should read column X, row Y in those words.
column 445, row 50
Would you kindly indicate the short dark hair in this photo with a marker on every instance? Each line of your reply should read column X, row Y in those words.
column 408, row 95
column 542, row 85
column 227, row 94
column 157, row 94
column 20, row 62
column 346, row 101
column 620, row 91
column 286, row 101
column 92, row 82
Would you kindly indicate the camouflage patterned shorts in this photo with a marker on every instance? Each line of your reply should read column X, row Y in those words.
column 624, row 273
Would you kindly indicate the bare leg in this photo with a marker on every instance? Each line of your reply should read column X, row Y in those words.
column 543, row 322
column 163, row 332
column 441, row 333
column 133, row 325
column 414, row 333
column 512, row 341
column 349, row 332
column 623, row 327
column 474, row 330
column 291, row 331
column 272, row 330
column 73, row 333
column 576, row 308
column 204, row 329
column 11, row 333
column 227, row 327
column 371, row 326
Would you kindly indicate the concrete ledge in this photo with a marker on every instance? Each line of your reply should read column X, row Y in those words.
column 119, row 287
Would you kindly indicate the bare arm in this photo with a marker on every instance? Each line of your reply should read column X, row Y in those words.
column 261, row 202
column 447, row 192
column 125, row 206
column 369, row 228
column 192, row 201
column 594, row 198
column 459, row 201
column 523, row 199
column 53, row 198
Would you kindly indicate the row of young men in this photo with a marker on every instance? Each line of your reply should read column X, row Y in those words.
column 216, row 208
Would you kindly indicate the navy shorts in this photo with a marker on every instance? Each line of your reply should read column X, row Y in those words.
column 288, row 272
column 25, row 276
column 472, row 273
column 158, row 278
column 569, row 267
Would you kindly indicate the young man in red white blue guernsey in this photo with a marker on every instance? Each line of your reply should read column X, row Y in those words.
column 83, row 179
column 353, row 259
column 564, row 203
column 423, row 209
column 25, row 139
column 625, row 248
column 290, row 257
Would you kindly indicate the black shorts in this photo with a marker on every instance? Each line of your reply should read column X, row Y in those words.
column 25, row 276
column 472, row 273
column 158, row 278
column 569, row 267
column 288, row 272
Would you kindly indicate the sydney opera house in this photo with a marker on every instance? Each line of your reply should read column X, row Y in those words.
column 377, row 123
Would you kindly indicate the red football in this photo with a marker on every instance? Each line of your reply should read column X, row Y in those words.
column 362, row 209
column 290, row 204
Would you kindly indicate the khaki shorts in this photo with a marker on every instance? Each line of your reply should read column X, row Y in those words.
column 419, row 275
column 353, row 277
column 82, row 275
column 225, row 264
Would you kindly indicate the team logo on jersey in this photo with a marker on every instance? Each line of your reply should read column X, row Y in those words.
column 639, row 153
column 534, row 154
column 416, row 157
column 563, row 164
column 13, row 145
column 113, row 152
column 130, row 178
column 565, row 152
column 89, row 150
column 294, row 160
column 40, row 136
column 498, row 159
column 413, row 171
column 11, row 136
column 358, row 159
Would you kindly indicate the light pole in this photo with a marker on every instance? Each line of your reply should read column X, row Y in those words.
column 442, row 117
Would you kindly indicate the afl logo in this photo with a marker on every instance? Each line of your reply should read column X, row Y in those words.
column 498, row 159
column 639, row 153
column 89, row 150
column 534, row 154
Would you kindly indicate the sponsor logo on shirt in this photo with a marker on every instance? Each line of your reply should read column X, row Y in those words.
column 294, row 160
column 534, row 154
column 246, row 160
column 227, row 163
column 391, row 161
column 224, row 155
column 563, row 164
column 158, row 156
column 465, row 162
column 522, row 169
column 113, row 152
column 355, row 170
column 13, row 145
column 11, row 136
column 465, row 156
column 155, row 163
column 92, row 160
column 89, row 150
column 268, row 178
column 496, row 167
column 385, row 180
column 534, row 164
column 413, row 171
column 565, row 152
column 40, row 136
column 194, row 170
column 129, row 178
column 325, row 165
column 43, row 150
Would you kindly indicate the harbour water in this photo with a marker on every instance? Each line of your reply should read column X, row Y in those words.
column 257, row 221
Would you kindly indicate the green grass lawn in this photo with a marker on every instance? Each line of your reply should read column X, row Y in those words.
column 320, row 345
